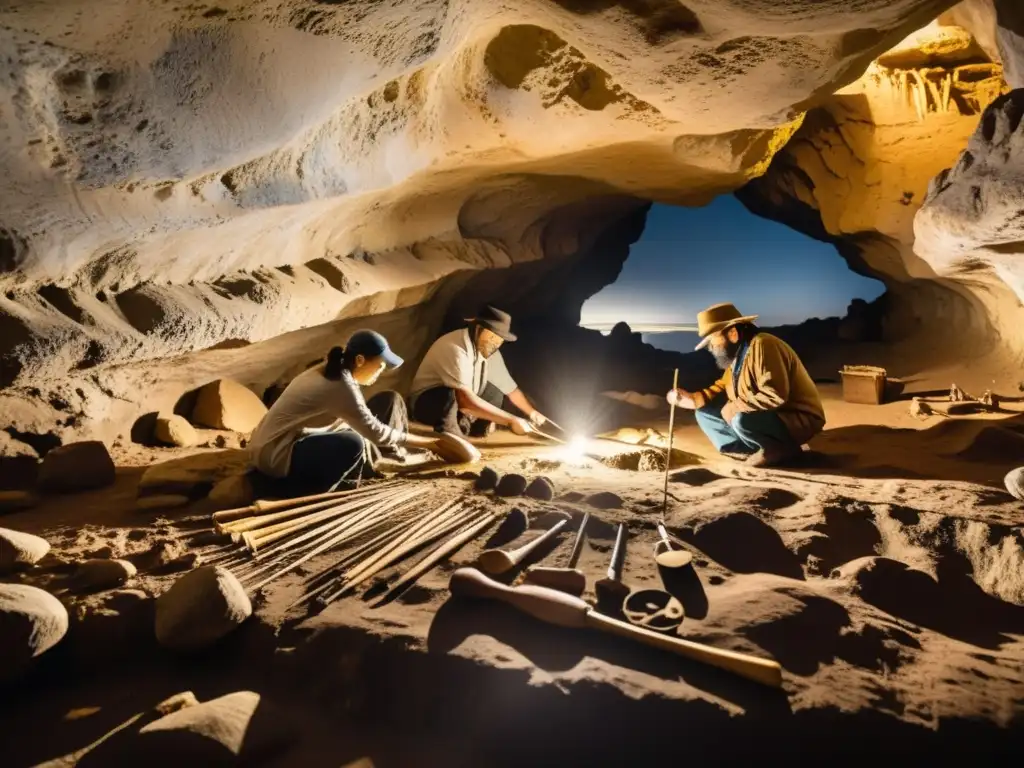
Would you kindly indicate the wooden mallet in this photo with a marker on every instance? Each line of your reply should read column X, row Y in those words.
column 495, row 561
column 554, row 607
column 569, row 579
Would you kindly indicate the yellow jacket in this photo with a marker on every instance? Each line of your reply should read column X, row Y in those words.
column 772, row 379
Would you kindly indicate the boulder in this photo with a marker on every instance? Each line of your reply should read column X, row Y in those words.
column 12, row 501
column 1014, row 482
column 200, row 608
column 102, row 574
column 31, row 622
column 192, row 476
column 604, row 500
column 541, row 488
column 226, row 404
column 76, row 467
column 240, row 728
column 511, row 485
column 175, row 430
column 234, row 491
column 17, row 548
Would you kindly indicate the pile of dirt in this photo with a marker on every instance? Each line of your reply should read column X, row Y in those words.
column 648, row 460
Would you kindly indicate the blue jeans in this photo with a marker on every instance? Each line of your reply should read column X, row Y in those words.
column 746, row 433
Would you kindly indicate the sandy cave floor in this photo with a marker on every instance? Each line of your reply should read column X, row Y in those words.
column 923, row 645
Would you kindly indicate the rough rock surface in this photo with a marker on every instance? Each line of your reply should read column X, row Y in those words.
column 31, row 622
column 77, row 467
column 226, row 404
column 102, row 574
column 192, row 475
column 155, row 208
column 240, row 728
column 17, row 548
column 175, row 430
column 200, row 608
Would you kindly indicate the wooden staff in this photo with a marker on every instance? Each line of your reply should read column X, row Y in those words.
column 444, row 551
column 260, row 521
column 565, row 610
column 323, row 547
column 256, row 540
column 671, row 434
column 395, row 555
column 227, row 515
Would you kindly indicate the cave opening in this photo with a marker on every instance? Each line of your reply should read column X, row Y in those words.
column 690, row 258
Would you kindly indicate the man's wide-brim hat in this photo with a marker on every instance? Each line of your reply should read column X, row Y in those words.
column 719, row 318
column 494, row 320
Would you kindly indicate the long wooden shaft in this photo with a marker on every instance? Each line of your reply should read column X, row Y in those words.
column 406, row 549
column 671, row 434
column 353, row 524
column 577, row 547
column 259, row 521
column 429, row 521
column 559, row 608
column 228, row 515
column 265, row 536
column 323, row 547
column 444, row 551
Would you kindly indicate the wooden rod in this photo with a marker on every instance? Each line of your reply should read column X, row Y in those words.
column 671, row 434
column 252, row 523
column 227, row 515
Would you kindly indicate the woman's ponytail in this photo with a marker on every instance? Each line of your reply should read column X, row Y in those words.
column 335, row 360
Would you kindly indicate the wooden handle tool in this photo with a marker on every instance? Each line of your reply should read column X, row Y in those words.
column 554, row 607
column 666, row 556
column 495, row 561
column 569, row 579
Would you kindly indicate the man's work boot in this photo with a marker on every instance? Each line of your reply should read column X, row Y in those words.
column 773, row 457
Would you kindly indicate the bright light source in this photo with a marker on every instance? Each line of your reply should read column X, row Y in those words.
column 575, row 452
column 578, row 446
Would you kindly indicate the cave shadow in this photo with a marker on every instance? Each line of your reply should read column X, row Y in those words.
column 559, row 649
column 144, row 429
column 685, row 585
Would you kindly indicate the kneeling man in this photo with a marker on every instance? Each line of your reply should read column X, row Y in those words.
column 462, row 383
column 765, row 406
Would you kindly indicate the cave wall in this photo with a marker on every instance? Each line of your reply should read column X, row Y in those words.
column 203, row 191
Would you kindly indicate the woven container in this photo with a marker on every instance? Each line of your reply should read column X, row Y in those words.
column 863, row 384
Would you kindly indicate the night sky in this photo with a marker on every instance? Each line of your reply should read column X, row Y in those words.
column 690, row 258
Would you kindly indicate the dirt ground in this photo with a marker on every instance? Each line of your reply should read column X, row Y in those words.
column 885, row 573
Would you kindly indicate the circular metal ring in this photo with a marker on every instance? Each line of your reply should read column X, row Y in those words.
column 653, row 609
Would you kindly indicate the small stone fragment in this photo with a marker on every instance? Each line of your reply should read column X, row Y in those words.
column 12, row 501
column 177, row 702
column 604, row 500
column 541, row 488
column 102, row 574
column 162, row 501
column 17, row 548
column 175, row 430
column 511, row 485
column 76, row 467
column 488, row 479
column 226, row 404
column 200, row 608
column 31, row 622
column 1014, row 482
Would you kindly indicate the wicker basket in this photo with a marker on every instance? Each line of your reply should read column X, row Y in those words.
column 863, row 384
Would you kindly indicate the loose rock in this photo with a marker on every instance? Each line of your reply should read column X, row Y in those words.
column 175, row 430
column 234, row 491
column 604, row 500
column 488, row 479
column 226, row 404
column 162, row 501
column 1014, row 482
column 200, row 608
column 17, row 548
column 102, row 574
column 241, row 728
column 76, row 467
column 511, row 485
column 12, row 501
column 31, row 622
column 541, row 488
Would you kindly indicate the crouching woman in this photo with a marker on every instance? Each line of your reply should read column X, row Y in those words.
column 322, row 435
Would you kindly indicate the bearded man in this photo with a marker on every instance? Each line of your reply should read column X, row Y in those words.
column 461, row 385
column 765, row 406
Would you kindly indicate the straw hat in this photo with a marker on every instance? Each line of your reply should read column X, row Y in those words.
column 718, row 318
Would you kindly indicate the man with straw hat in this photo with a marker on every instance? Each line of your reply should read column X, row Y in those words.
column 461, row 385
column 765, row 406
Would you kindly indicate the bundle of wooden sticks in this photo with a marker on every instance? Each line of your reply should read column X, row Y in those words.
column 369, row 529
